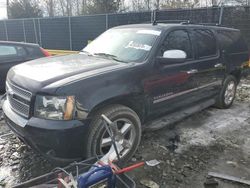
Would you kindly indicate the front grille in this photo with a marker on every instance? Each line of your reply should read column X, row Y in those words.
column 20, row 92
column 19, row 99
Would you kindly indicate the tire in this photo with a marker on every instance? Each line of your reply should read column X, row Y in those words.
column 98, row 133
column 227, row 93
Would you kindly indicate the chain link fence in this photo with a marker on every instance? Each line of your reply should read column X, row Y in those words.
column 73, row 33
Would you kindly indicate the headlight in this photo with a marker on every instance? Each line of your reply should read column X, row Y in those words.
column 54, row 107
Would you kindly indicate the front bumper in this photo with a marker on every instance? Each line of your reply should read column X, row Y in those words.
column 58, row 140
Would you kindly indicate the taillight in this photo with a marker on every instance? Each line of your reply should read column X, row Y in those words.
column 45, row 53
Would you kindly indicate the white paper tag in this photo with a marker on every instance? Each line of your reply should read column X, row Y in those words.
column 138, row 46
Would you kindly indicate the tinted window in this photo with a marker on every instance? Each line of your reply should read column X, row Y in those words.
column 20, row 51
column 231, row 41
column 34, row 52
column 205, row 43
column 178, row 40
column 7, row 50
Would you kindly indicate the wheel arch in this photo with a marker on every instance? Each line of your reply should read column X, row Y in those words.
column 237, row 74
column 134, row 102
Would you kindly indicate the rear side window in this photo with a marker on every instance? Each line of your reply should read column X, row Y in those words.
column 20, row 51
column 8, row 50
column 205, row 43
column 178, row 40
column 231, row 41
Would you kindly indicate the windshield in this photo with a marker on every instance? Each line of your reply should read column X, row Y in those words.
column 125, row 45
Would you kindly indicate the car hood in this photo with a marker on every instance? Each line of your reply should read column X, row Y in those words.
column 39, row 73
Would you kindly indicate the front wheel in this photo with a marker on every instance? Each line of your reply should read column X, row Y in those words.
column 129, row 127
column 227, row 93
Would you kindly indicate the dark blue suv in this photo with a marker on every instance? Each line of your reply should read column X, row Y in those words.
column 140, row 76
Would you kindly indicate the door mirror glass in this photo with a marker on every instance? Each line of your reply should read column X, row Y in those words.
column 172, row 57
column 175, row 54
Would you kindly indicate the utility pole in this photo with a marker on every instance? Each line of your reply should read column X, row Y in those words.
column 7, row 8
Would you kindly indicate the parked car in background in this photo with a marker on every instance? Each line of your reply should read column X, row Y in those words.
column 140, row 76
column 13, row 53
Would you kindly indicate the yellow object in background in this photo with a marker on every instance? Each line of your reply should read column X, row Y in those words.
column 61, row 52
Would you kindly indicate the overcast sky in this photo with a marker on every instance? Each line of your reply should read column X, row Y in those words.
column 3, row 13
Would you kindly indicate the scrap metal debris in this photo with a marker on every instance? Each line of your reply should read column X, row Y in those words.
column 153, row 162
column 232, row 163
column 211, row 183
column 229, row 178
column 173, row 142
column 149, row 183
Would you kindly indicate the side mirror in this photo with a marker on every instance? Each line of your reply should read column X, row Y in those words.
column 173, row 57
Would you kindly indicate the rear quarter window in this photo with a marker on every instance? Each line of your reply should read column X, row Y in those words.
column 231, row 41
column 34, row 52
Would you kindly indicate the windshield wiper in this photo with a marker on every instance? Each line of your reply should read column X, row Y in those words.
column 109, row 56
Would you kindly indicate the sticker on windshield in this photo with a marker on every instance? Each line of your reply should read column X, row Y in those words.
column 150, row 32
column 138, row 46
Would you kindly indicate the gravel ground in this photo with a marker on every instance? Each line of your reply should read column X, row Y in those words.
column 213, row 140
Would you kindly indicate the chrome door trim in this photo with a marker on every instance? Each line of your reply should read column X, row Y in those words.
column 185, row 92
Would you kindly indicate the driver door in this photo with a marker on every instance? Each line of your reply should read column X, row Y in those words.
column 172, row 86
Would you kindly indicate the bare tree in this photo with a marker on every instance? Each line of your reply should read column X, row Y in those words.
column 78, row 7
column 69, row 7
column 123, row 6
column 157, row 4
column 66, row 7
column 178, row 3
column 50, row 7
column 148, row 4
column 62, row 5
column 214, row 2
column 84, row 6
column 137, row 5
column 24, row 9
column 243, row 2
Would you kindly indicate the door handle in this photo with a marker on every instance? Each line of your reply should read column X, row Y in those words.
column 192, row 71
column 218, row 65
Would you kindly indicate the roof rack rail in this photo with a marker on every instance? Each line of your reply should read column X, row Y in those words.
column 209, row 24
column 154, row 20
column 174, row 21
column 169, row 21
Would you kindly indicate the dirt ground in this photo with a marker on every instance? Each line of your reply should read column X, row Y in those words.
column 213, row 140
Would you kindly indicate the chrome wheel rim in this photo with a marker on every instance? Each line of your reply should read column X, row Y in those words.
column 229, row 93
column 127, row 135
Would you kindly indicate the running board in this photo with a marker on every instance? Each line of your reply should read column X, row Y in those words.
column 177, row 116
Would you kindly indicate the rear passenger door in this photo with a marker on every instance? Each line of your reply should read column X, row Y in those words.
column 10, row 55
column 210, row 71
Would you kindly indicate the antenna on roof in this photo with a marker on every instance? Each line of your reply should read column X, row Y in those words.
column 153, row 17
